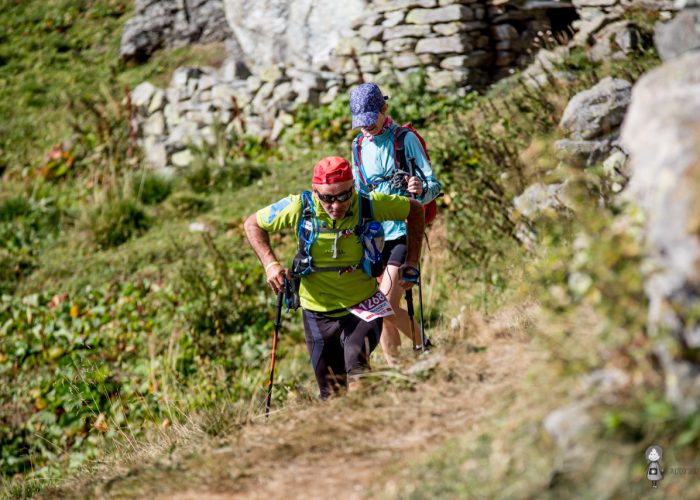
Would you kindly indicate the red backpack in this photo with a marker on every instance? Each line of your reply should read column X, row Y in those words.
column 401, row 163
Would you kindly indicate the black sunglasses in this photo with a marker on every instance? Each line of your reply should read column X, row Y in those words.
column 330, row 198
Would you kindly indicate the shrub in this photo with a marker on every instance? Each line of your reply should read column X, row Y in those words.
column 13, row 267
column 14, row 207
column 234, row 162
column 153, row 189
column 187, row 203
column 116, row 220
column 223, row 302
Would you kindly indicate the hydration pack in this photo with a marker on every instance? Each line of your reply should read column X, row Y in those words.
column 369, row 232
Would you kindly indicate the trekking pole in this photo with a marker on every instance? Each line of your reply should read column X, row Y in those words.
column 409, row 293
column 409, row 308
column 423, row 340
column 278, row 314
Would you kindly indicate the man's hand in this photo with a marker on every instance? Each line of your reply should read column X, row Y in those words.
column 275, row 276
column 415, row 186
column 408, row 275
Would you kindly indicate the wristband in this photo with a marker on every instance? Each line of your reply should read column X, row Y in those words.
column 267, row 267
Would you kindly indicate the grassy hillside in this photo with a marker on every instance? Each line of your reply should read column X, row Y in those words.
column 128, row 339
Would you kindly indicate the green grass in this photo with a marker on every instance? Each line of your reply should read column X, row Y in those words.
column 54, row 52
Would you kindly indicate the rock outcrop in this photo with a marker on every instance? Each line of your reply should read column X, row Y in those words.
column 662, row 135
column 172, row 23
column 680, row 35
column 592, row 119
column 299, row 33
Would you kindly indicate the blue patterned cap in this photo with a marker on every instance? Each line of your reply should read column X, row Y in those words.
column 366, row 101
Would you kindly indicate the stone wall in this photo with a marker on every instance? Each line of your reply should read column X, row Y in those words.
column 462, row 43
column 458, row 43
column 201, row 105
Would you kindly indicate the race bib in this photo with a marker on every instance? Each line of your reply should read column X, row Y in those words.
column 377, row 306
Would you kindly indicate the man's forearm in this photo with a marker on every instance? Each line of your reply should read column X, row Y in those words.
column 415, row 225
column 259, row 240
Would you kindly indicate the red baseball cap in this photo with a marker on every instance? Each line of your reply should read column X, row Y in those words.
column 332, row 169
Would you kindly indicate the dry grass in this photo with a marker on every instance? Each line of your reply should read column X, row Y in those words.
column 477, row 382
column 343, row 447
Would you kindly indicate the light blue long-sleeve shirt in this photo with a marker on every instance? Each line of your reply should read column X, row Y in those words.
column 378, row 164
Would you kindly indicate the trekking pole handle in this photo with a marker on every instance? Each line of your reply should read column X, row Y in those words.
column 410, row 274
column 411, row 173
column 278, row 311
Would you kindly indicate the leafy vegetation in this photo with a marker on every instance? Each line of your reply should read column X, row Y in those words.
column 116, row 318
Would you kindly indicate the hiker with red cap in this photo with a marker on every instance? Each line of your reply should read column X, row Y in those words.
column 391, row 159
column 338, row 240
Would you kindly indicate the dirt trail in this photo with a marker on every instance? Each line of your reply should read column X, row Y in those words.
column 344, row 448
column 350, row 447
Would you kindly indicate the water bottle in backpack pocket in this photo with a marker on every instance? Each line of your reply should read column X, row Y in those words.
column 372, row 239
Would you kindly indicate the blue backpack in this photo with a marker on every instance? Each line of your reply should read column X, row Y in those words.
column 369, row 231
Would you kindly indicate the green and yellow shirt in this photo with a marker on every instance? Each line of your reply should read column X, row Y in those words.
column 330, row 291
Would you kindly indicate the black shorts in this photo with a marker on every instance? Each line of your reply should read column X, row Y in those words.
column 394, row 252
column 339, row 347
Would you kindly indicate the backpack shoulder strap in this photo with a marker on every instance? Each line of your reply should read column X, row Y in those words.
column 307, row 231
column 357, row 156
column 366, row 213
column 400, row 148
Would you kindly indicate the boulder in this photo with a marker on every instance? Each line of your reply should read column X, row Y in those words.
column 392, row 19
column 616, row 39
column 598, row 110
column 680, row 35
column 568, row 426
column 182, row 158
column 299, row 33
column 584, row 153
column 661, row 133
column 538, row 198
column 141, row 96
column 234, row 69
column 172, row 23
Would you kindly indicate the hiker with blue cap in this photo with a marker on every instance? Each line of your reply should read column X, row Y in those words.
column 391, row 159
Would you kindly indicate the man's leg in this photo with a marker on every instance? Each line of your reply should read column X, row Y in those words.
column 325, row 351
column 359, row 339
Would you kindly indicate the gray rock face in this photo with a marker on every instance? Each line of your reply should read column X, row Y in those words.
column 537, row 198
column 586, row 153
column 680, row 35
column 567, row 426
column 662, row 135
column 598, row 110
column 172, row 23
column 299, row 32
column 615, row 40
